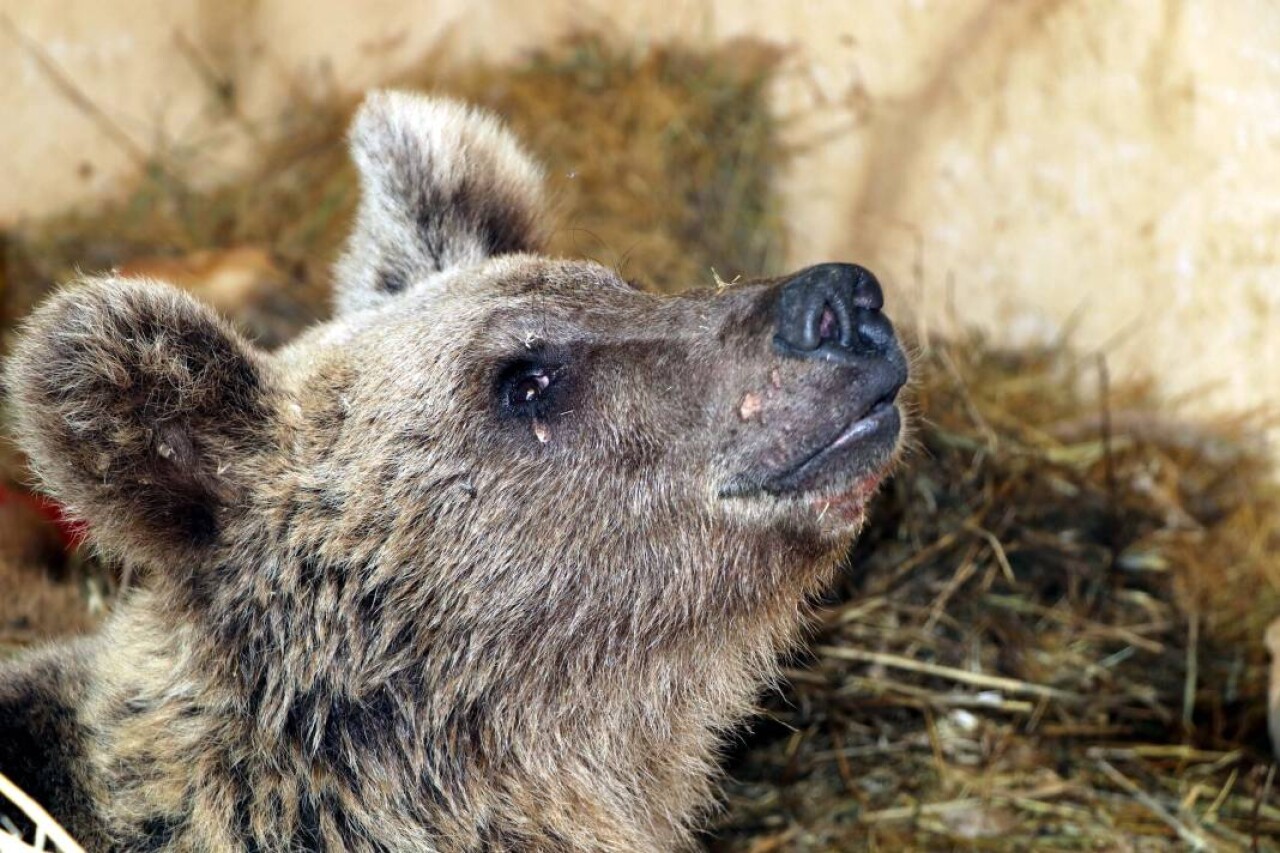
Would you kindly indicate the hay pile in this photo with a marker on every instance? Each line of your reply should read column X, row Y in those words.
column 1050, row 635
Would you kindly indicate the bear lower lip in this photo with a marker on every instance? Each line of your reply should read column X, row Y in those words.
column 859, row 429
column 862, row 449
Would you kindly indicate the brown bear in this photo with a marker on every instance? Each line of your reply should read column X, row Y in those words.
column 490, row 561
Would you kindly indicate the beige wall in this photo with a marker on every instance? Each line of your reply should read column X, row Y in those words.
column 1027, row 166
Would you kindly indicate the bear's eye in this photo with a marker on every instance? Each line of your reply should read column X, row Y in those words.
column 526, row 387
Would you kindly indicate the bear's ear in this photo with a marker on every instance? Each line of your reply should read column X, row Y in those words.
column 143, row 412
column 442, row 185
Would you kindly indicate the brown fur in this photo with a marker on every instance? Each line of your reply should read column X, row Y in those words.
column 385, row 610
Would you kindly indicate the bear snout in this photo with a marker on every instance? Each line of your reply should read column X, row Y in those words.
column 825, row 423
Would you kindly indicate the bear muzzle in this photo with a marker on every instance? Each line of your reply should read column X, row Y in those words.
column 826, row 426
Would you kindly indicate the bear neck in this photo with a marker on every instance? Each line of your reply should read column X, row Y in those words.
column 356, row 671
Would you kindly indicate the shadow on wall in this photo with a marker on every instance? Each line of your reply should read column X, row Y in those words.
column 1100, row 172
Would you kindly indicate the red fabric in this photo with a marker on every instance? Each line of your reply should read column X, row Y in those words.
column 72, row 533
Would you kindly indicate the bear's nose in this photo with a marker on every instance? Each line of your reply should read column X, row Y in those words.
column 832, row 312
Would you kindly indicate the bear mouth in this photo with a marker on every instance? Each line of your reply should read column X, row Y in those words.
column 836, row 471
column 861, row 450
column 837, row 481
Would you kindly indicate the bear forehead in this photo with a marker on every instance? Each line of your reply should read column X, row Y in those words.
column 549, row 283
column 506, row 301
column 497, row 289
column 473, row 317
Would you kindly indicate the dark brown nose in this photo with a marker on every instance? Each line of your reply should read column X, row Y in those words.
column 832, row 312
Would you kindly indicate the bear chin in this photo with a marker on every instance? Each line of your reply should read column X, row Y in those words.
column 843, row 514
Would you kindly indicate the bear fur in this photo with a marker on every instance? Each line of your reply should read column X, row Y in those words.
column 457, row 570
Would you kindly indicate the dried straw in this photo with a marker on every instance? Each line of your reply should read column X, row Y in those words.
column 47, row 830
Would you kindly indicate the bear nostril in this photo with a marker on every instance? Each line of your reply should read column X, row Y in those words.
column 867, row 295
column 828, row 326
column 832, row 311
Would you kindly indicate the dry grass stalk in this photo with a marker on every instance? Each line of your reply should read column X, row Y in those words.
column 47, row 830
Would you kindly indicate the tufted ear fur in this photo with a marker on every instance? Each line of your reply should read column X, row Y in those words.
column 142, row 411
column 442, row 185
